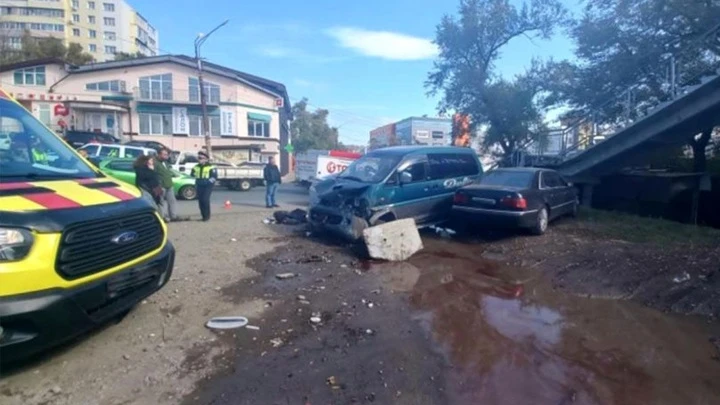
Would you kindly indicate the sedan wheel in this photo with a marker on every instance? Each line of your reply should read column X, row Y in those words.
column 541, row 223
column 188, row 192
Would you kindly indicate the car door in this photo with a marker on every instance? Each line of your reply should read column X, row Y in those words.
column 448, row 172
column 121, row 170
column 414, row 198
column 553, row 187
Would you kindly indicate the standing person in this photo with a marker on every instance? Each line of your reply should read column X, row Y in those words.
column 205, row 177
column 162, row 167
column 271, row 174
column 147, row 180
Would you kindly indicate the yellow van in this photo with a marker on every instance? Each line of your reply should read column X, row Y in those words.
column 77, row 248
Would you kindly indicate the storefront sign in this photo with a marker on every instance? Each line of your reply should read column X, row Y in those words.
column 227, row 121
column 180, row 121
column 61, row 110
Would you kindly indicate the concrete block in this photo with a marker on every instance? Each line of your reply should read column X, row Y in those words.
column 393, row 241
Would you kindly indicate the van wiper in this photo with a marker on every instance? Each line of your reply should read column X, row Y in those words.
column 352, row 178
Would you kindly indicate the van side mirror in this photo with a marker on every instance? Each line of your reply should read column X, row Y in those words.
column 405, row 177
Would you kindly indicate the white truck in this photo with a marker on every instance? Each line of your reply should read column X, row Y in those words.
column 316, row 164
column 241, row 177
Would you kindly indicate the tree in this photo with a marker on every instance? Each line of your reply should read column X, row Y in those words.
column 41, row 48
column 470, row 45
column 513, row 117
column 310, row 129
column 625, row 50
column 128, row 56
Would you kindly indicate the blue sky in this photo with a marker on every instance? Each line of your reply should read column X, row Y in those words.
column 366, row 61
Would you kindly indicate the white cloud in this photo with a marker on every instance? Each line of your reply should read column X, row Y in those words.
column 384, row 44
column 274, row 51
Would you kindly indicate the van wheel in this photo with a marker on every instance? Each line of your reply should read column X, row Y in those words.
column 541, row 223
column 188, row 193
column 245, row 185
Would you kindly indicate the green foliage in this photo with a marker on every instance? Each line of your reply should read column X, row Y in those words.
column 310, row 129
column 41, row 48
column 128, row 56
column 470, row 45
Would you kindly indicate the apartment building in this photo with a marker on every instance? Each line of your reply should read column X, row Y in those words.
column 413, row 131
column 102, row 27
column 158, row 99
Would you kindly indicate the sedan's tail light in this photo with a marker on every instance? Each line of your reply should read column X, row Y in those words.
column 514, row 202
column 460, row 198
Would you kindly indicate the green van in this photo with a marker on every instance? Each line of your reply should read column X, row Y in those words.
column 392, row 183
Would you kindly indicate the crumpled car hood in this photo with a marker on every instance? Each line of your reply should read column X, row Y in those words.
column 334, row 192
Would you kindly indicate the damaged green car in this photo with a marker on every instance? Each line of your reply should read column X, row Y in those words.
column 392, row 183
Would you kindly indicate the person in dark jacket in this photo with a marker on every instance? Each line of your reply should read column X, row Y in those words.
column 163, row 169
column 205, row 177
column 271, row 174
column 147, row 180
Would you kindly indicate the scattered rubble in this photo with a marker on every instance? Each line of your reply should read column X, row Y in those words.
column 294, row 217
column 285, row 276
column 276, row 342
column 682, row 278
column 393, row 241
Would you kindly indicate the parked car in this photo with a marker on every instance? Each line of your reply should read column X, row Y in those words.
column 147, row 144
column 122, row 169
column 76, row 139
column 393, row 183
column 117, row 151
column 526, row 198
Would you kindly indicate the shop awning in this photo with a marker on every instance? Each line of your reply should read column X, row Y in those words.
column 259, row 117
column 95, row 106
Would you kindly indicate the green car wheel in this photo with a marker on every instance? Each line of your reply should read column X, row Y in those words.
column 188, row 193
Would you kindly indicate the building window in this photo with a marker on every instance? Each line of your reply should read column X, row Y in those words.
column 258, row 128
column 76, row 32
column 438, row 135
column 44, row 114
column 108, row 7
column 34, row 76
column 112, row 85
column 12, row 25
column 212, row 91
column 109, row 35
column 91, row 19
column 75, row 4
column 111, row 50
column 195, row 123
column 109, row 21
column 32, row 11
column 92, row 33
column 92, row 47
column 76, row 18
column 157, row 87
column 155, row 124
column 91, row 5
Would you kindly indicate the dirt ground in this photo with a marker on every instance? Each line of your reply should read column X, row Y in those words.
column 589, row 314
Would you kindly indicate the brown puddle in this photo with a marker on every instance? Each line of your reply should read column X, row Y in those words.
column 519, row 342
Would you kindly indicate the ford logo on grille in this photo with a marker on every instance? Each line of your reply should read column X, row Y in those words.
column 124, row 238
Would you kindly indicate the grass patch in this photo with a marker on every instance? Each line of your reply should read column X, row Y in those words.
column 632, row 228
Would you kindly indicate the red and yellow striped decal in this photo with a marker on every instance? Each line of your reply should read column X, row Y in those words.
column 64, row 194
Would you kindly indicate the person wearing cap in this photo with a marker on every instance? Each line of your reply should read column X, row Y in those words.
column 205, row 177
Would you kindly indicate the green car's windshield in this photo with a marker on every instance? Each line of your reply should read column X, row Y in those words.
column 371, row 168
column 31, row 152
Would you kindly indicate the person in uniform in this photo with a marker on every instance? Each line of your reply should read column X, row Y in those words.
column 205, row 177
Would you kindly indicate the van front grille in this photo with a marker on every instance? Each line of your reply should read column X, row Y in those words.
column 93, row 246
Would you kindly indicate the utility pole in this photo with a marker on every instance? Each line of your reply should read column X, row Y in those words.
column 199, row 40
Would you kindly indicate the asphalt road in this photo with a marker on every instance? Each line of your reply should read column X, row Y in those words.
column 288, row 196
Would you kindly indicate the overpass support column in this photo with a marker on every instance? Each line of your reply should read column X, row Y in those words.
column 586, row 191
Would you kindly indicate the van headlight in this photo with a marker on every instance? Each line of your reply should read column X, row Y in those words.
column 15, row 244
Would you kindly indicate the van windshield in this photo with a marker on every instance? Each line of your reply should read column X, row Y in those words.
column 29, row 151
column 371, row 168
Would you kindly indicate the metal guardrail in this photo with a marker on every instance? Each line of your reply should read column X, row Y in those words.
column 678, row 73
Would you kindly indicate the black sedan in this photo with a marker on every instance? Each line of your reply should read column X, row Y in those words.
column 527, row 198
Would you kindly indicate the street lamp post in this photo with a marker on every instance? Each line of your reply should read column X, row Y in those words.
column 199, row 40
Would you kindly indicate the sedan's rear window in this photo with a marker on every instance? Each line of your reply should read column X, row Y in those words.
column 508, row 179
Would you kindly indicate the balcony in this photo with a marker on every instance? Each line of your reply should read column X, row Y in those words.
column 171, row 96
